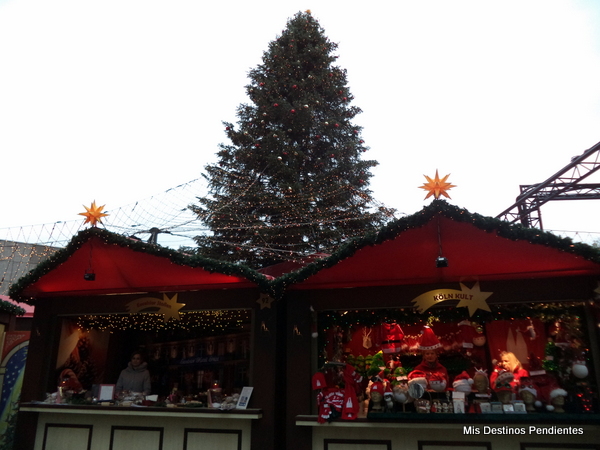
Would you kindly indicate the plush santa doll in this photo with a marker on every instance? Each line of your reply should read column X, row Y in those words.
column 437, row 382
column 462, row 383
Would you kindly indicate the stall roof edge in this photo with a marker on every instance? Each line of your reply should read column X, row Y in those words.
column 95, row 238
column 536, row 239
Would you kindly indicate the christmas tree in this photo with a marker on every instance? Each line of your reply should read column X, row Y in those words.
column 292, row 181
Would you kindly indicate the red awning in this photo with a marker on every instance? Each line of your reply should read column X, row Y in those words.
column 119, row 269
column 472, row 253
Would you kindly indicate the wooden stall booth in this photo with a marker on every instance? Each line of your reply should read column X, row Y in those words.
column 206, row 329
column 356, row 327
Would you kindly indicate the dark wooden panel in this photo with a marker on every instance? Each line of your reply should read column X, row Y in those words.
column 384, row 444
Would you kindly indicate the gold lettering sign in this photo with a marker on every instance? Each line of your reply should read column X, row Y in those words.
column 167, row 306
column 472, row 298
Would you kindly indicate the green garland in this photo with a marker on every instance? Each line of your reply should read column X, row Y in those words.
column 277, row 288
column 11, row 309
column 196, row 261
column 419, row 219
column 546, row 312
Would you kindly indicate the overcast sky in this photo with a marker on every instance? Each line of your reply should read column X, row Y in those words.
column 116, row 100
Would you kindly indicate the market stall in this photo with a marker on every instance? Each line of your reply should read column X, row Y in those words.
column 206, row 330
column 470, row 290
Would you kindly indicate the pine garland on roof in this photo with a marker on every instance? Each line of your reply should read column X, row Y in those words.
column 9, row 308
column 277, row 287
column 108, row 237
column 419, row 219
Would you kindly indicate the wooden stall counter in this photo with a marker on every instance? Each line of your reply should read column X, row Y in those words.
column 94, row 427
column 457, row 431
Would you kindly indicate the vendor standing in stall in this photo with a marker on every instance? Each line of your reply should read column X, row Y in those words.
column 135, row 377
column 509, row 362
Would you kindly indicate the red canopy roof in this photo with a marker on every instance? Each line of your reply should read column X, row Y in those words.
column 120, row 269
column 410, row 258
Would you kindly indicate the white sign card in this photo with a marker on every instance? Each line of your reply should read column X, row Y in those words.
column 106, row 392
column 244, row 397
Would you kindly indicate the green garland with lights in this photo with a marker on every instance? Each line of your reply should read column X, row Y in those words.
column 196, row 261
column 11, row 309
column 546, row 312
column 210, row 322
column 277, row 288
column 419, row 219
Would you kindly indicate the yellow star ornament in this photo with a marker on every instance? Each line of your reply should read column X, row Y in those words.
column 93, row 214
column 437, row 186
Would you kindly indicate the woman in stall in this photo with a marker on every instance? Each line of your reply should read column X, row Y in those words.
column 135, row 377
column 509, row 362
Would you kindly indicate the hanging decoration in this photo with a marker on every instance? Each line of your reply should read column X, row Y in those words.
column 472, row 298
column 168, row 307
column 208, row 322
column 93, row 215
column 265, row 301
column 437, row 186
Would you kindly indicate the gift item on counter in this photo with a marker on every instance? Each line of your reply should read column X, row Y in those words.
column 528, row 394
column 388, row 398
column 481, row 383
column 462, row 382
column 334, row 401
column 554, row 396
column 503, row 387
column 437, row 382
column 376, row 397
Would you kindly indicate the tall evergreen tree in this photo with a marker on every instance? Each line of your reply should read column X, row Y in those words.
column 292, row 181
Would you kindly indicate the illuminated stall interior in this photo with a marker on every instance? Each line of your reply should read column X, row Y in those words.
column 483, row 286
column 106, row 296
column 188, row 355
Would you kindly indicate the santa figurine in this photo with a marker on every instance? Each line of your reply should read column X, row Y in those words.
column 429, row 345
column 437, row 382
column 400, row 391
column 462, row 383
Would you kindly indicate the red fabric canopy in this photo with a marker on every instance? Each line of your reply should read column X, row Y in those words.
column 471, row 253
column 120, row 269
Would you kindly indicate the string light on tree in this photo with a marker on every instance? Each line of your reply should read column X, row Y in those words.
column 291, row 182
